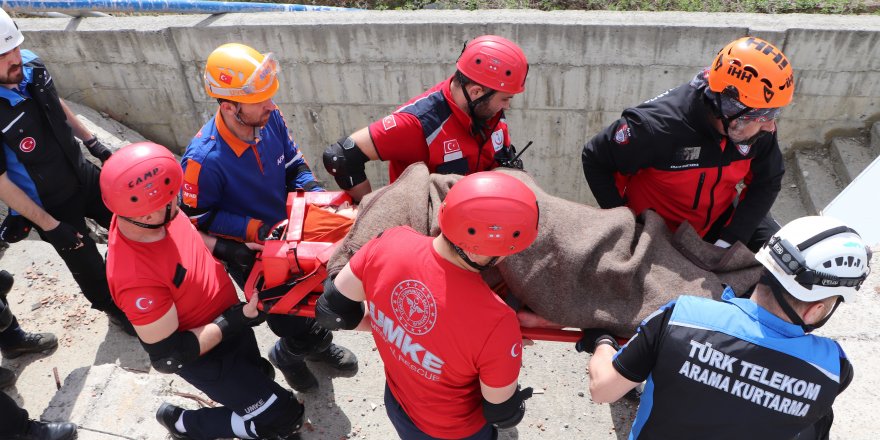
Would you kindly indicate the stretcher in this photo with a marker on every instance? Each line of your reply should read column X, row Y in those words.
column 289, row 273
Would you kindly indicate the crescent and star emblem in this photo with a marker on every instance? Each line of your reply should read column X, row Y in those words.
column 139, row 304
column 513, row 352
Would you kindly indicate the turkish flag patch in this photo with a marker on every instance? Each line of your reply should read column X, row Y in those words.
column 225, row 79
column 388, row 122
column 27, row 144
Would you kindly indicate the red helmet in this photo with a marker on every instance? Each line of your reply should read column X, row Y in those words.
column 490, row 213
column 139, row 179
column 494, row 62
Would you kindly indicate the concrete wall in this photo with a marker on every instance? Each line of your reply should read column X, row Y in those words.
column 344, row 70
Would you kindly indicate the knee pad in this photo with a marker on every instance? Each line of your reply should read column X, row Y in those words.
column 316, row 340
column 287, row 419
column 345, row 162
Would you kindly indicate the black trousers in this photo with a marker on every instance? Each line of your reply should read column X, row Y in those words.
column 13, row 418
column 86, row 264
column 232, row 374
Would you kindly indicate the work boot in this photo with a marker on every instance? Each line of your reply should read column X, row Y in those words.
column 30, row 343
column 6, row 281
column 293, row 367
column 335, row 356
column 118, row 318
column 167, row 416
column 7, row 378
column 48, row 431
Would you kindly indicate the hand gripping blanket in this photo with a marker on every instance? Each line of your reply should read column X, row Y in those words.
column 589, row 267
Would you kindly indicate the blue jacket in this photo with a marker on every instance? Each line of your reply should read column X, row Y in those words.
column 730, row 370
column 231, row 187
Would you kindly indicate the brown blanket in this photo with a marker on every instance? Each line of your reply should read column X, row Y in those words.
column 589, row 267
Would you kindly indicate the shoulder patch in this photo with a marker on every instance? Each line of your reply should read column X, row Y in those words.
column 622, row 135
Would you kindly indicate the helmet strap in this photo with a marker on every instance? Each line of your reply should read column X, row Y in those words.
column 463, row 255
column 168, row 218
column 726, row 120
column 478, row 125
column 256, row 128
column 770, row 281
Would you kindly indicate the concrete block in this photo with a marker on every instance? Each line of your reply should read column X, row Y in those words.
column 875, row 138
column 832, row 83
column 114, row 401
column 816, row 179
column 850, row 156
column 789, row 203
column 839, row 50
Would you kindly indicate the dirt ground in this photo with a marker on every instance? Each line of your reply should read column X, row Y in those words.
column 109, row 389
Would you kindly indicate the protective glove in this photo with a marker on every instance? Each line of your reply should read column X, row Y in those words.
column 506, row 158
column 233, row 320
column 15, row 228
column 64, row 237
column 590, row 340
column 97, row 149
column 234, row 253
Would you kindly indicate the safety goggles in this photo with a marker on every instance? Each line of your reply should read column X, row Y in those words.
column 790, row 259
column 259, row 81
column 760, row 115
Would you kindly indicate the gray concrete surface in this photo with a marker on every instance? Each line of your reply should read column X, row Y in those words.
column 342, row 70
column 109, row 389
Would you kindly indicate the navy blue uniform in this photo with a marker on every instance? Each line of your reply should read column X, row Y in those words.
column 41, row 156
column 730, row 370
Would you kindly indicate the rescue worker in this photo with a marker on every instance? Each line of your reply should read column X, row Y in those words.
column 184, row 307
column 755, row 358
column 44, row 177
column 237, row 172
column 452, row 349
column 14, row 342
column 684, row 152
column 455, row 127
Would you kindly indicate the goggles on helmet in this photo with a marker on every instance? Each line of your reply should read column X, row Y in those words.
column 259, row 81
column 790, row 259
column 732, row 108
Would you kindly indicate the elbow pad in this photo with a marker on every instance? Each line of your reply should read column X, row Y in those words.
column 335, row 311
column 509, row 413
column 345, row 162
column 174, row 352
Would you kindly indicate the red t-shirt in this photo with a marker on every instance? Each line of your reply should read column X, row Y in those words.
column 147, row 278
column 439, row 329
column 430, row 128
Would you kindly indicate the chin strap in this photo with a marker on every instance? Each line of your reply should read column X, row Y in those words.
column 777, row 289
column 479, row 267
column 240, row 121
column 725, row 121
column 478, row 125
column 168, row 218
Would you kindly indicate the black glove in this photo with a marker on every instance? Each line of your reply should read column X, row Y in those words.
column 97, row 149
column 15, row 228
column 234, row 253
column 591, row 339
column 233, row 320
column 64, row 237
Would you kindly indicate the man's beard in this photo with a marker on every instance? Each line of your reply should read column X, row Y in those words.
column 14, row 75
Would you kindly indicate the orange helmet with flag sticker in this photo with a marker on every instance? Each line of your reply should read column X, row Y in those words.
column 239, row 73
column 754, row 72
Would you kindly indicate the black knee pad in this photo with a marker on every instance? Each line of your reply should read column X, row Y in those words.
column 286, row 419
column 345, row 162
column 316, row 340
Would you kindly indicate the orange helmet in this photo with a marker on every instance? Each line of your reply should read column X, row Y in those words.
column 494, row 62
column 490, row 213
column 239, row 73
column 139, row 179
column 757, row 71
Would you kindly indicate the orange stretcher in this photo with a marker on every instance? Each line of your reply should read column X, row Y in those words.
column 289, row 273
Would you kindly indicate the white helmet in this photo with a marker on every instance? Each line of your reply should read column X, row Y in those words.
column 816, row 258
column 10, row 36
